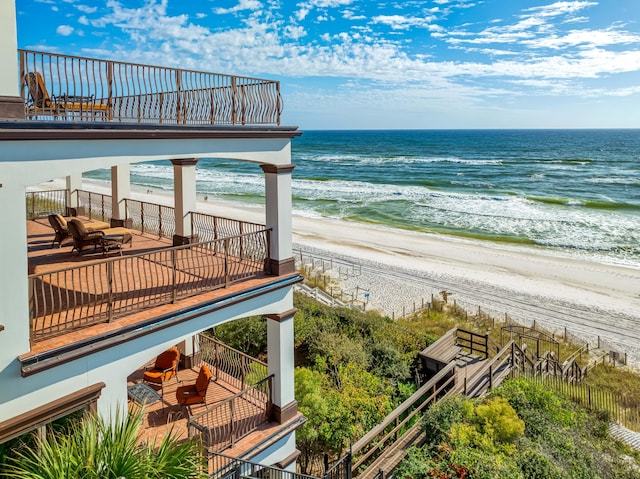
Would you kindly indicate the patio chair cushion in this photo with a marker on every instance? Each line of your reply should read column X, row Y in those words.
column 61, row 221
column 195, row 393
column 116, row 231
column 202, row 383
column 91, row 225
column 164, row 368
column 94, row 225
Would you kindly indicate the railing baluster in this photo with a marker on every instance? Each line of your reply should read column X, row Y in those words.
column 114, row 91
column 226, row 263
column 174, row 271
column 110, row 294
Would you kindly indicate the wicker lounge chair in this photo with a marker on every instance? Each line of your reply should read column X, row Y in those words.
column 59, row 225
column 83, row 237
column 41, row 103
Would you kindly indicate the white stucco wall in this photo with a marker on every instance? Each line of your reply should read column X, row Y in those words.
column 277, row 452
column 8, row 49
column 61, row 158
column 278, row 213
column 112, row 366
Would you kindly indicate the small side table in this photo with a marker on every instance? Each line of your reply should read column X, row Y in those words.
column 143, row 394
column 109, row 242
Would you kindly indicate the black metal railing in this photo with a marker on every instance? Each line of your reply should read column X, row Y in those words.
column 71, row 88
column 227, row 467
column 223, row 424
column 72, row 298
column 233, row 366
column 46, row 202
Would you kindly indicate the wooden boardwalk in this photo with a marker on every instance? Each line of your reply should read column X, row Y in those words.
column 473, row 374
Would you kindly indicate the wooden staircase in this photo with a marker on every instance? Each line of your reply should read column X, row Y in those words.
column 459, row 362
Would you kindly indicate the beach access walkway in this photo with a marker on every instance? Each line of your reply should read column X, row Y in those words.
column 468, row 363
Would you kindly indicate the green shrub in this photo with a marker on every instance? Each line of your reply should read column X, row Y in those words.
column 248, row 335
column 498, row 419
column 440, row 418
column 534, row 465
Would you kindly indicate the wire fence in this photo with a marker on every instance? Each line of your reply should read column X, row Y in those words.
column 325, row 274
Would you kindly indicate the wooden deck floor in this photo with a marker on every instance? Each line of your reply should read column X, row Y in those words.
column 167, row 416
column 44, row 258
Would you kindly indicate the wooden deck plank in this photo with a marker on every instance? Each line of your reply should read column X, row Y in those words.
column 44, row 258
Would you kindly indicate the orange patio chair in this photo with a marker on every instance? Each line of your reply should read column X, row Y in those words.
column 165, row 367
column 195, row 393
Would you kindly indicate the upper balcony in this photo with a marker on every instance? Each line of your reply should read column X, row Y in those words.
column 69, row 88
column 79, row 296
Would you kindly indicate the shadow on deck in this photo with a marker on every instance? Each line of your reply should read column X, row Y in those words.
column 77, row 297
column 166, row 416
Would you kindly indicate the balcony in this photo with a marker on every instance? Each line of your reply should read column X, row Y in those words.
column 239, row 401
column 77, row 89
column 82, row 325
column 77, row 297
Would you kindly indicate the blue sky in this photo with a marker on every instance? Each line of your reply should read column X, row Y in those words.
column 380, row 64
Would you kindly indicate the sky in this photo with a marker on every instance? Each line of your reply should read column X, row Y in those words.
column 348, row 64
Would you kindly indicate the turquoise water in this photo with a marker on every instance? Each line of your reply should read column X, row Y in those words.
column 574, row 191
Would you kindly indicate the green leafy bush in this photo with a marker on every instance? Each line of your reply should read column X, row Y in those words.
column 522, row 430
column 94, row 448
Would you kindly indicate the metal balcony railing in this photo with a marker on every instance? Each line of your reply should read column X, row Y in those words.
column 225, row 423
column 70, row 88
column 72, row 298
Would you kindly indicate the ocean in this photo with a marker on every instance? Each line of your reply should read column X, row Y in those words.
column 574, row 192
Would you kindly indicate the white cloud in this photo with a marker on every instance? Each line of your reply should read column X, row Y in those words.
column 83, row 20
column 242, row 5
column 328, row 3
column 305, row 8
column 294, row 32
column 560, row 8
column 302, row 13
column 86, row 9
column 350, row 15
column 64, row 30
column 591, row 38
column 398, row 22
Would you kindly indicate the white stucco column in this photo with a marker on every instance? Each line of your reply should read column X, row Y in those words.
column 11, row 104
column 74, row 183
column 278, row 217
column 120, row 189
column 113, row 399
column 281, row 364
column 184, row 187
column 14, row 292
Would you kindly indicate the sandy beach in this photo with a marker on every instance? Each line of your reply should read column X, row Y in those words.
column 400, row 268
